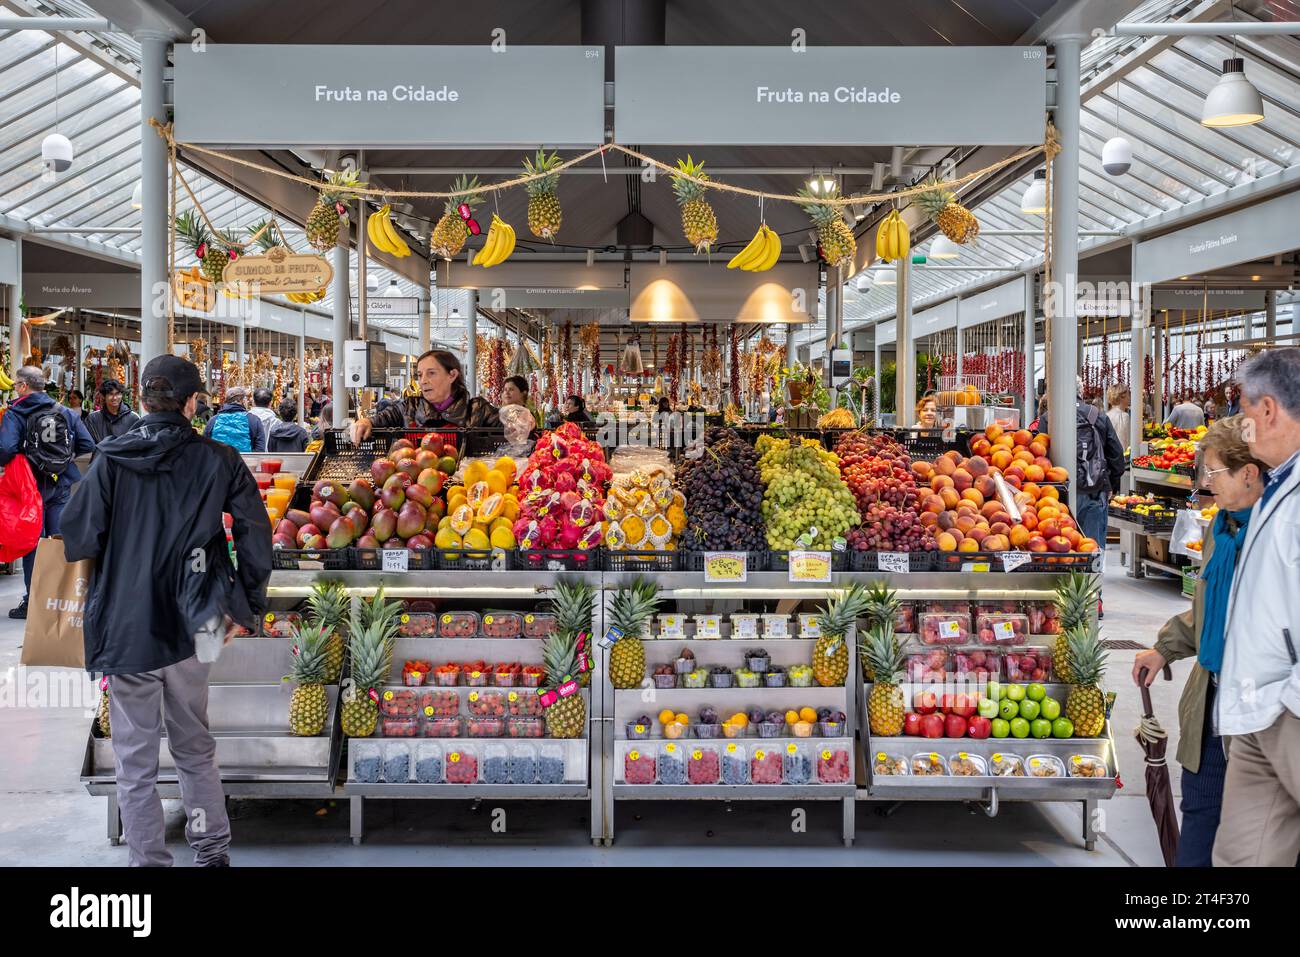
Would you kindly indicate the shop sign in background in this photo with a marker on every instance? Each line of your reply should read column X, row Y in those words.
column 342, row 96
column 830, row 96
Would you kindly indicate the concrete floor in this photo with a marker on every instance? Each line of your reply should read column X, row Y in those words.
column 46, row 817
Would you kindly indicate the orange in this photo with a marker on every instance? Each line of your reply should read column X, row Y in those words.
column 666, row 716
column 681, row 719
column 807, row 714
column 792, row 717
column 740, row 718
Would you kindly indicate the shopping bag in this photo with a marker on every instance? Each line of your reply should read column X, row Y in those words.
column 1187, row 532
column 21, row 511
column 55, row 608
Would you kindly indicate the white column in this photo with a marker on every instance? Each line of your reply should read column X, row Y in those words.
column 875, row 333
column 1030, row 332
column 1158, row 387
column 471, row 343
column 301, row 386
column 342, row 326
column 153, row 195
column 15, row 310
column 904, row 350
column 426, row 318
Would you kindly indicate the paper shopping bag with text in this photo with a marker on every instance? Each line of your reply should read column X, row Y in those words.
column 55, row 608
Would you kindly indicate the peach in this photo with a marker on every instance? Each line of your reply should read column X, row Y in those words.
column 941, row 482
column 1000, row 528
column 946, row 520
column 1037, row 448
column 929, row 519
column 1031, row 489
column 1013, row 480
column 1049, row 491
column 1036, row 543
column 1029, row 519
column 1022, row 456
column 996, row 543
column 968, row 545
column 1015, row 471
column 964, row 523
column 986, row 486
column 950, row 497
column 1044, row 438
column 994, row 432
column 1022, row 437
column 973, row 496
column 945, row 465
column 1058, row 543
column 1086, row 545
column 1034, row 473
column 957, row 534
column 1057, row 474
column 962, row 480
column 1019, row 536
column 923, row 470
column 933, row 503
column 1001, row 459
column 945, row 542
column 1048, row 528
column 977, row 465
column 1072, row 537
column 1000, row 517
column 1065, row 522
column 980, row 447
column 977, row 534
column 1043, row 462
column 991, row 508
column 1048, row 512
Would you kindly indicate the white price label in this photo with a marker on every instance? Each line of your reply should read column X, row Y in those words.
column 725, row 566
column 1004, row 631
column 814, row 567
column 897, row 562
column 1013, row 560
column 396, row 559
column 949, row 629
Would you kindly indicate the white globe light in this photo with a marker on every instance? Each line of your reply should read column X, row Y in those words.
column 1117, row 156
column 1034, row 201
column 863, row 281
column 56, row 152
column 944, row 248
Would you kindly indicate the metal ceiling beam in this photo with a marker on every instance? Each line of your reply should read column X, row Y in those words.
column 1208, row 10
column 80, row 44
column 1225, row 28
column 620, row 170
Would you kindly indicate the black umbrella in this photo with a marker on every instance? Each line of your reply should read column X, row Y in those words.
column 1154, row 739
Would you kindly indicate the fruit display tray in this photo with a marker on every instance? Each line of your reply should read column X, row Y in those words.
column 341, row 460
column 300, row 559
column 558, row 560
column 1151, row 523
column 1039, row 562
column 865, row 561
column 632, row 560
column 372, row 559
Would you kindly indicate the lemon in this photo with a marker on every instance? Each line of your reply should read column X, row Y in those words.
column 502, row 537
column 506, row 466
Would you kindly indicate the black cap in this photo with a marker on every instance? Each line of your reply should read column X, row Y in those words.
column 182, row 378
column 110, row 385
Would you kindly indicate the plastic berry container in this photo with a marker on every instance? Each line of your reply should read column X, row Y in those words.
column 885, row 764
column 833, row 766
column 428, row 763
column 443, row 727
column 440, row 704
column 757, row 662
column 399, row 727
column 944, row 628
column 523, row 704
column 769, row 729
column 1002, row 628
column 397, row 763
column 445, row 676
column 1005, row 765
column 721, row 679
column 774, row 679
column 522, row 764
column 502, row 624
column 419, row 625
column 486, row 704
column 665, row 682
column 1087, row 766
column 800, row 676
column 638, row 732
column 496, row 764
column 797, row 764
column 766, row 766
column 525, row 727
column 695, row 679
column 746, row 678
column 474, row 675
column 704, row 765
column 1009, row 606
column 280, row 624
column 539, row 624
column 414, row 678
column 707, row 731
column 775, row 626
column 671, row 764
column 367, row 761
column 1045, row 766
column 640, row 764
column 550, row 764
column 735, row 764
column 458, row 624
column 506, row 675
column 905, row 618
column 928, row 764
column 963, row 764
column 830, row 729
column 399, row 703
column 928, row 667
column 531, row 677
column 462, row 765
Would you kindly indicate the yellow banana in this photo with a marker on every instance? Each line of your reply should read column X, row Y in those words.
column 505, row 247
column 884, row 238
column 395, row 240
column 771, row 253
column 752, row 250
column 374, row 234
column 902, row 238
column 484, row 255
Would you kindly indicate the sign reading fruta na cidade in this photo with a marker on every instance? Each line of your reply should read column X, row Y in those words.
column 279, row 271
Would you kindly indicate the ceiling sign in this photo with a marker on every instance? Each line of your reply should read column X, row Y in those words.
column 279, row 271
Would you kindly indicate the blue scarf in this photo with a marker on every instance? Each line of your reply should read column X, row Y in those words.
column 1217, row 576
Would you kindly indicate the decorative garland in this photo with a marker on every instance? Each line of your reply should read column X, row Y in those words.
column 734, row 373
column 566, row 357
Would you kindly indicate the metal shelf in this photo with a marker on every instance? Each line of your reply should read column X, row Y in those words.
column 733, row 792
column 1163, row 479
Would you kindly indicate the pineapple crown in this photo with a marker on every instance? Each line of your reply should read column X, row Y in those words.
column 1076, row 596
column 370, row 651
column 688, row 190
column 882, row 653
column 572, row 603
column 542, row 164
column 463, row 191
column 1087, row 656
column 843, row 609
column 328, row 602
column 935, row 198
column 270, row 237
column 307, row 664
column 560, row 657
column 191, row 229
column 881, row 604
column 335, row 189
column 633, row 605
column 376, row 613
column 821, row 213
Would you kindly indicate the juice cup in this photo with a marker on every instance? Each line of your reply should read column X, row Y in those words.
column 278, row 498
column 270, row 466
column 274, row 514
column 285, row 480
column 263, row 480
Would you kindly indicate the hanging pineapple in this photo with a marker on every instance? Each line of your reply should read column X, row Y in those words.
column 213, row 250
column 838, row 246
column 322, row 227
column 698, row 220
column 544, row 213
column 953, row 219
column 449, row 235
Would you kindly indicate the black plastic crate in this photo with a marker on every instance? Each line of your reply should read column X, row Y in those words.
column 694, row 561
column 372, row 559
column 634, row 560
column 1148, row 522
column 867, row 561
column 341, row 460
column 558, row 559
column 1062, row 562
column 780, row 561
column 301, row 559
column 462, row 560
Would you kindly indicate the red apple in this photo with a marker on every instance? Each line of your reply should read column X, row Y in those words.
column 932, row 726
column 912, row 724
column 965, row 705
column 925, row 702
column 978, row 727
column 954, row 726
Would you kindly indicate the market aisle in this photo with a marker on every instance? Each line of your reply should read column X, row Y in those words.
column 47, row 818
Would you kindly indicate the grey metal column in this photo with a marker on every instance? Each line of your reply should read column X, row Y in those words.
column 301, row 385
column 426, row 319
column 471, row 343
column 1031, row 348
column 240, row 341
column 960, row 340
column 1270, row 314
column 875, row 372
column 904, row 350
column 831, row 332
column 16, row 356
column 1158, row 387
column 153, row 195
column 1062, row 374
column 342, row 326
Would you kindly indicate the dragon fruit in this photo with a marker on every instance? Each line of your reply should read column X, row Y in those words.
column 564, row 481
column 563, row 486
column 548, row 528
column 569, row 536
column 590, row 537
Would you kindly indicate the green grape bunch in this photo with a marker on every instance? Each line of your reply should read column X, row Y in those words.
column 803, row 490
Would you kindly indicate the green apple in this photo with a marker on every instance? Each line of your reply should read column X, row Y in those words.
column 1029, row 709
column 1050, row 708
column 996, row 691
column 1016, row 692
column 1040, row 728
column 987, row 708
column 1062, row 728
column 1019, row 728
column 999, row 728
column 1036, row 692
column 1008, row 709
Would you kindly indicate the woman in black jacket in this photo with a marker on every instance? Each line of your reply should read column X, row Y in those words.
column 286, row 434
column 444, row 402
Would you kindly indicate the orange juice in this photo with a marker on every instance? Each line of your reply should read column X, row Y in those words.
column 286, row 480
column 274, row 514
column 278, row 499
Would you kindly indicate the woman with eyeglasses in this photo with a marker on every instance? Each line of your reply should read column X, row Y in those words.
column 1237, row 480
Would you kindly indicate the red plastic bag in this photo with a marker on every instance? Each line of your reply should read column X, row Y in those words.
column 22, row 515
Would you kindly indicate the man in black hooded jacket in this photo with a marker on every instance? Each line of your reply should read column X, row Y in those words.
column 150, row 514
column 113, row 418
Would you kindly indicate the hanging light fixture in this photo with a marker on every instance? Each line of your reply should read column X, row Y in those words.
column 1034, row 202
column 630, row 363
column 821, row 182
column 944, row 248
column 886, row 276
column 863, row 280
column 392, row 292
column 56, row 149
column 1117, row 153
column 1233, row 100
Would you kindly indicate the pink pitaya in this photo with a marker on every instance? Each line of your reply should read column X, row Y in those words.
column 548, row 528
column 569, row 535
column 564, row 481
column 581, row 512
column 520, row 527
column 590, row 537
column 568, row 500
column 531, row 537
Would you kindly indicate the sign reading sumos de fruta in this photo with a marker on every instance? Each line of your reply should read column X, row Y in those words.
column 356, row 96
column 831, row 95
column 279, row 271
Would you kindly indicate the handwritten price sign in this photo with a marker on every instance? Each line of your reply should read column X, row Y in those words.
column 810, row 566
column 724, row 567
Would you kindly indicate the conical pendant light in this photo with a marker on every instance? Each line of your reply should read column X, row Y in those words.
column 1233, row 100
column 630, row 363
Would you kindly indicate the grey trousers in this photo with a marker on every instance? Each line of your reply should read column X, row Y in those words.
column 139, row 706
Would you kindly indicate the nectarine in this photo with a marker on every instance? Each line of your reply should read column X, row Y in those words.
column 945, row 542
column 973, row 496
column 1022, row 437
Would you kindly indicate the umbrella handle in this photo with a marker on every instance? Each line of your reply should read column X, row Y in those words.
column 1148, row 710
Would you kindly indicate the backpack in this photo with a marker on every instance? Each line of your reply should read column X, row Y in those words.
column 47, row 443
column 1092, row 451
column 232, row 429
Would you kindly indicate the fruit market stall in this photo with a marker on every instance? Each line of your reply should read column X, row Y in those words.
column 1164, row 474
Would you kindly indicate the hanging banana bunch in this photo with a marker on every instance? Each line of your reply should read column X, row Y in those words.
column 383, row 235
column 892, row 238
column 499, row 245
column 760, row 254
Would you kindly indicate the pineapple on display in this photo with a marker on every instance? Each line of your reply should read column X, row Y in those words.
column 309, row 706
column 699, row 222
column 211, row 249
column 328, row 604
column 830, row 658
column 881, row 604
column 629, row 611
column 953, row 219
column 1076, row 597
column 833, row 235
column 544, row 212
column 1085, row 706
column 573, row 603
column 322, row 226
column 370, row 649
column 567, row 717
column 883, row 655
column 449, row 234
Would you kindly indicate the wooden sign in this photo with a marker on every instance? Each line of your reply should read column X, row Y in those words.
column 279, row 271
column 193, row 290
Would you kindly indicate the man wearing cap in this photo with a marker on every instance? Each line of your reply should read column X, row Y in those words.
column 235, row 425
column 112, row 418
column 164, row 590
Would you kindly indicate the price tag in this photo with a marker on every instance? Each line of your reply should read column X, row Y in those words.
column 896, row 562
column 880, row 755
column 454, row 757
column 826, row 755
column 1077, row 759
column 725, row 567
column 744, row 626
column 1004, row 631
column 406, row 619
column 975, row 567
column 634, row 755
column 428, row 711
column 388, row 696
column 396, row 559
column 514, row 696
column 997, row 759
column 949, row 629
column 529, row 619
column 487, row 620
column 759, row 755
column 962, row 755
column 1013, row 560
column 473, row 695
column 810, row 566
column 731, row 749
column 697, row 754
column 639, row 729
column 611, row 637
column 270, row 617
column 1034, row 762
column 839, row 544
column 670, row 748
column 792, row 748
